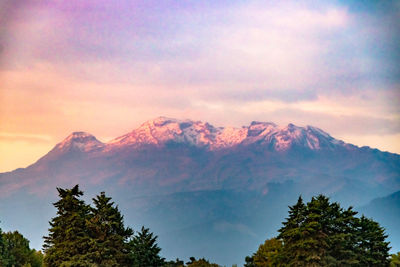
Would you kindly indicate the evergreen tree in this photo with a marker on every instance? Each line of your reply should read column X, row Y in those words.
column 395, row 260
column 342, row 232
column 109, row 236
column 269, row 253
column 68, row 241
column 324, row 233
column 249, row 262
column 144, row 250
column 175, row 263
column 292, row 235
column 321, row 233
column 200, row 263
column 373, row 250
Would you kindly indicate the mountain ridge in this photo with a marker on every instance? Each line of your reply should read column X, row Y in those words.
column 190, row 180
column 202, row 134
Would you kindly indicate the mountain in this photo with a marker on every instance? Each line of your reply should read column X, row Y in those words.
column 163, row 130
column 207, row 191
column 388, row 210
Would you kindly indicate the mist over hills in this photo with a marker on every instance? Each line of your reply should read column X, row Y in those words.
column 214, row 192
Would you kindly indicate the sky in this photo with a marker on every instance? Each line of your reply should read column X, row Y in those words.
column 105, row 67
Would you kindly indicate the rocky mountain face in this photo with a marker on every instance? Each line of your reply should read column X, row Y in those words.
column 224, row 186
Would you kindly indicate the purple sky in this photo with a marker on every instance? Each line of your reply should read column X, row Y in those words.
column 107, row 66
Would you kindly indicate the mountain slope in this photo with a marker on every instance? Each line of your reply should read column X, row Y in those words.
column 188, row 179
column 388, row 210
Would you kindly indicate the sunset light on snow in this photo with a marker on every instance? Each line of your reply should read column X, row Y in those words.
column 105, row 67
column 199, row 133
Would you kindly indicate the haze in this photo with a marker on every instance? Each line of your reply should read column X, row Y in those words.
column 104, row 67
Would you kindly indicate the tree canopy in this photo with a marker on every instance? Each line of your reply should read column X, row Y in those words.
column 15, row 251
column 316, row 233
column 68, row 241
column 144, row 249
column 108, row 235
column 321, row 233
column 82, row 235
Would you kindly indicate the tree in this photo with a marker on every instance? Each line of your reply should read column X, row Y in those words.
column 176, row 263
column 200, row 263
column 249, row 262
column 36, row 258
column 269, row 253
column 16, row 249
column 144, row 249
column 395, row 260
column 329, row 232
column 1, row 247
column 108, row 234
column 292, row 234
column 372, row 248
column 322, row 233
column 68, row 241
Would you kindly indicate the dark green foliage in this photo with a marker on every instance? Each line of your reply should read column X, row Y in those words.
column 81, row 235
column 322, row 233
column 68, row 241
column 144, row 249
column 1, row 247
column 249, row 262
column 395, row 260
column 292, row 235
column 108, row 245
column 200, row 263
column 269, row 253
column 176, row 263
column 36, row 258
column 15, row 251
column 373, row 250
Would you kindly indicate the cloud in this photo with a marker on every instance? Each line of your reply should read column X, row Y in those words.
column 105, row 67
column 223, row 226
column 29, row 138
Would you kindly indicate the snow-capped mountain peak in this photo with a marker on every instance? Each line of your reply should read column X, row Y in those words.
column 162, row 130
column 79, row 140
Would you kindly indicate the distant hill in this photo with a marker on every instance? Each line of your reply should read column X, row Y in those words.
column 387, row 209
column 207, row 191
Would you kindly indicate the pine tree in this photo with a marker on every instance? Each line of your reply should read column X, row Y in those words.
column 322, row 233
column 342, row 232
column 144, row 250
column 373, row 250
column 292, row 235
column 108, row 234
column 68, row 241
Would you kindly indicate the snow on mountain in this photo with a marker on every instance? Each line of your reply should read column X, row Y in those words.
column 162, row 130
column 80, row 141
column 231, row 179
